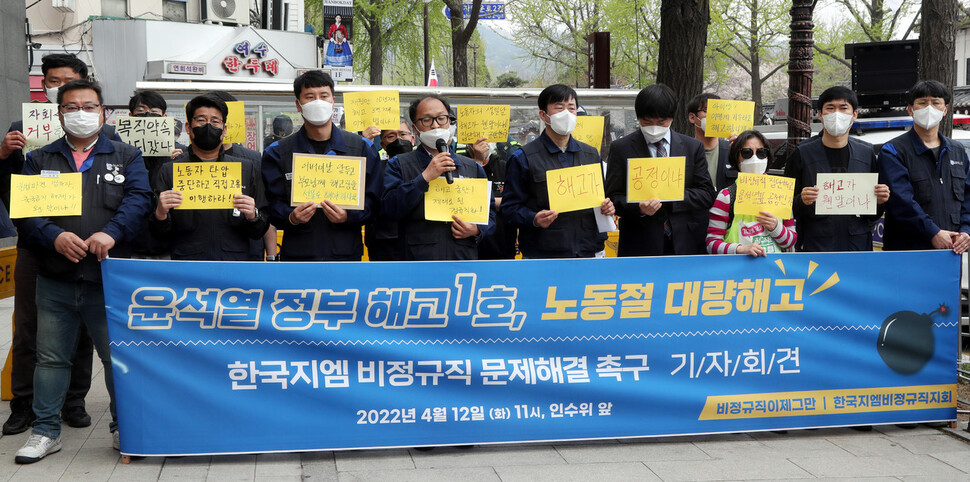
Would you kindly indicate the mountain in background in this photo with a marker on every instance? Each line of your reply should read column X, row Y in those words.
column 503, row 55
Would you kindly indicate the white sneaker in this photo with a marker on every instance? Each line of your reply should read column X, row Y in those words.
column 116, row 440
column 36, row 448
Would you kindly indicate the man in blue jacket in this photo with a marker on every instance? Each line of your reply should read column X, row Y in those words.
column 334, row 233
column 69, row 249
column 929, row 207
column 833, row 152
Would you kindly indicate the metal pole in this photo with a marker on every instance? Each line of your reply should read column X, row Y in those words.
column 475, row 64
column 427, row 26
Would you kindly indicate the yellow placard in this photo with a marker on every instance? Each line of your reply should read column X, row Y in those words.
column 381, row 108
column 829, row 402
column 849, row 193
column 207, row 185
column 726, row 117
column 338, row 179
column 655, row 178
column 235, row 123
column 589, row 130
column 575, row 188
column 50, row 194
column 761, row 192
column 477, row 121
column 155, row 136
column 41, row 125
column 466, row 198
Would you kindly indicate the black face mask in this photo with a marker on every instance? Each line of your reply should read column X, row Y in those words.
column 207, row 137
column 147, row 114
column 398, row 147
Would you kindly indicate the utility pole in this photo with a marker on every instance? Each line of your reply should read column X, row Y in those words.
column 800, row 73
column 427, row 27
column 474, row 47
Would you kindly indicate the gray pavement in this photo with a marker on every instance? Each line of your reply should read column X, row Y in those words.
column 887, row 453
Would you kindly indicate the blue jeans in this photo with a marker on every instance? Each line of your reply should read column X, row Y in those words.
column 62, row 306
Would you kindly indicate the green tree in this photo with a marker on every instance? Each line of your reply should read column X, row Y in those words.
column 461, row 33
column 382, row 20
column 634, row 27
column 508, row 80
column 556, row 33
column 751, row 35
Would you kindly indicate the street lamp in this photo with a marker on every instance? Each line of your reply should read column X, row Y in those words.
column 427, row 27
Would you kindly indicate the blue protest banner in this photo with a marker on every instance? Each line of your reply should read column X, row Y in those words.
column 260, row 357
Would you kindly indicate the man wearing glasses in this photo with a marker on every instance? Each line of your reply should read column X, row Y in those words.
column 832, row 152
column 69, row 250
column 58, row 70
column 927, row 172
column 210, row 234
column 333, row 234
column 406, row 180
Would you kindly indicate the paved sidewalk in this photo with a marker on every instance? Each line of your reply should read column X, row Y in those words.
column 886, row 453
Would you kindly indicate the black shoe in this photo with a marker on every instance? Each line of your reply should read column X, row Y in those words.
column 19, row 421
column 76, row 417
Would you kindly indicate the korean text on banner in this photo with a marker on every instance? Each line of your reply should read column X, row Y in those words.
column 466, row 198
column 48, row 194
column 338, row 179
column 849, row 193
column 41, row 125
column 235, row 123
column 465, row 352
column 207, row 185
column 761, row 192
column 575, row 188
column 589, row 130
column 477, row 121
column 155, row 136
column 656, row 178
column 726, row 117
column 381, row 108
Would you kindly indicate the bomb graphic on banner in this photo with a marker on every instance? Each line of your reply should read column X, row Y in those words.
column 906, row 340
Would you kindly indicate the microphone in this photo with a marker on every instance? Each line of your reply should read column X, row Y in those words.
column 442, row 146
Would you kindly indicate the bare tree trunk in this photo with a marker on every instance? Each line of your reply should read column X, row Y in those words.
column 683, row 36
column 753, row 49
column 937, row 49
column 800, row 73
column 374, row 31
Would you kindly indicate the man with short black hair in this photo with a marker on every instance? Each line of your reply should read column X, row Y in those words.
column 407, row 178
column 210, row 234
column 926, row 172
column 715, row 149
column 832, row 152
column 335, row 233
column 58, row 69
column 69, row 250
column 543, row 232
column 653, row 228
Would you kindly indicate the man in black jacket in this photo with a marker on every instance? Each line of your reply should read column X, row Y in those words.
column 833, row 152
column 210, row 234
column 652, row 228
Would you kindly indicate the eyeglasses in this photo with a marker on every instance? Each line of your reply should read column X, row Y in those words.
column 441, row 120
column 201, row 120
column 747, row 152
column 89, row 108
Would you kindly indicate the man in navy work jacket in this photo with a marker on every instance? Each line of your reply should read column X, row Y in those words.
column 210, row 234
column 58, row 70
column 407, row 178
column 653, row 228
column 833, row 152
column 335, row 233
column 929, row 207
column 544, row 233
column 69, row 250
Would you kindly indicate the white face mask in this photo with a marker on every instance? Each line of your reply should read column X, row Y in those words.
column 837, row 123
column 318, row 112
column 654, row 133
column 704, row 124
column 563, row 122
column 452, row 132
column 430, row 137
column 928, row 117
column 82, row 124
column 754, row 165
column 51, row 93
